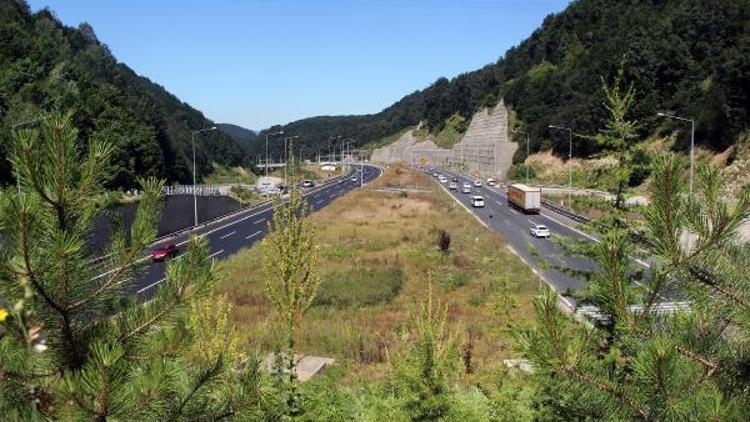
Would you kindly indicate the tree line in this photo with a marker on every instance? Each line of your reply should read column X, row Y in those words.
column 46, row 66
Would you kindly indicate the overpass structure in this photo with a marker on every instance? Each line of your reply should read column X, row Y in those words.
column 484, row 150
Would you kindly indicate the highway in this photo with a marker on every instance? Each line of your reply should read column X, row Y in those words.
column 229, row 235
column 513, row 225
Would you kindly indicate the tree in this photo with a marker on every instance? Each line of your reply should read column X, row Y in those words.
column 643, row 365
column 76, row 344
column 291, row 275
column 422, row 376
column 620, row 134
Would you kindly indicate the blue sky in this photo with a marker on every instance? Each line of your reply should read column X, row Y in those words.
column 258, row 63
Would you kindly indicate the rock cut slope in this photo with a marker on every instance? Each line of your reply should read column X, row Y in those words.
column 484, row 150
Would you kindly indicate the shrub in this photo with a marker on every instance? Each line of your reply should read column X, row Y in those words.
column 443, row 241
column 360, row 287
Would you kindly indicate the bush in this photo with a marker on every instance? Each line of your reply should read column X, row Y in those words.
column 443, row 241
column 361, row 287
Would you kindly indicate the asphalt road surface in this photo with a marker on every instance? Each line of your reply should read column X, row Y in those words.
column 241, row 230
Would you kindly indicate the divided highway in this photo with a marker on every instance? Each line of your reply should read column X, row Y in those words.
column 241, row 230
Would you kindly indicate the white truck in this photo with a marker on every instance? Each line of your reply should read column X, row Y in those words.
column 526, row 198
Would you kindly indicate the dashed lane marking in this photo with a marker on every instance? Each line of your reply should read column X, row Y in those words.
column 254, row 234
column 228, row 234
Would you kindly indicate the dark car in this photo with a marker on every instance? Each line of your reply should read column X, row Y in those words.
column 163, row 252
column 455, row 179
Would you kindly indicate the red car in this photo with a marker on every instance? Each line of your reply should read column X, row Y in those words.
column 163, row 252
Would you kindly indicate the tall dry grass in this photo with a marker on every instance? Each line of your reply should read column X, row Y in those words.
column 370, row 233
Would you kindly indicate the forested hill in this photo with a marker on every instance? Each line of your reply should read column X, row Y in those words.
column 689, row 57
column 239, row 134
column 46, row 66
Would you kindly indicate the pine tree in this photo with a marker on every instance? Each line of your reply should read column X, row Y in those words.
column 619, row 135
column 686, row 365
column 291, row 279
column 424, row 373
column 76, row 344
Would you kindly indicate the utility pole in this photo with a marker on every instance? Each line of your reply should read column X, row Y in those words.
column 195, row 193
column 281, row 132
column 692, row 145
column 570, row 159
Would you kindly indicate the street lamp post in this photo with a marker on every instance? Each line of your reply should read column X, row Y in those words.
column 281, row 132
column 526, row 165
column 286, row 158
column 195, row 193
column 692, row 145
column 570, row 158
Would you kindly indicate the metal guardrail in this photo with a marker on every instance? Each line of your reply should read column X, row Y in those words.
column 200, row 190
column 561, row 209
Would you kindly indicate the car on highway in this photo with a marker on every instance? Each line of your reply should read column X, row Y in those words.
column 539, row 230
column 491, row 182
column 163, row 252
column 443, row 179
column 477, row 201
column 354, row 179
column 478, row 183
column 453, row 186
column 455, row 179
column 434, row 174
column 307, row 183
column 466, row 189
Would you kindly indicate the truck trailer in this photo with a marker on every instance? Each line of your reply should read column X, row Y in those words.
column 526, row 198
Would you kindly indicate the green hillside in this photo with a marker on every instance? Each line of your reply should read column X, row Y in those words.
column 688, row 57
column 47, row 66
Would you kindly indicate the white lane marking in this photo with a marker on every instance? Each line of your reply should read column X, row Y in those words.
column 151, row 285
column 260, row 221
column 216, row 253
column 332, row 196
column 254, row 234
column 228, row 234
column 319, row 202
column 499, row 203
column 530, row 221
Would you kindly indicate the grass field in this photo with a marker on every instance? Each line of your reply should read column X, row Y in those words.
column 378, row 252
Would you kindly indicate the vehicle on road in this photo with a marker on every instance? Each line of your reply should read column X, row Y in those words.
column 434, row 174
column 163, row 252
column 491, row 182
column 354, row 179
column 453, row 186
column 527, row 199
column 307, row 183
column 443, row 179
column 455, row 179
column 466, row 189
column 478, row 183
column 477, row 201
column 539, row 230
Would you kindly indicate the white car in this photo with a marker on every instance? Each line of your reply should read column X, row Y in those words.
column 453, row 186
column 443, row 180
column 466, row 189
column 539, row 230
column 477, row 201
column 477, row 183
column 491, row 182
column 354, row 179
column 308, row 183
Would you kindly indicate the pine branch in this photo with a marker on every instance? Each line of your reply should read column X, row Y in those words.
column 611, row 391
